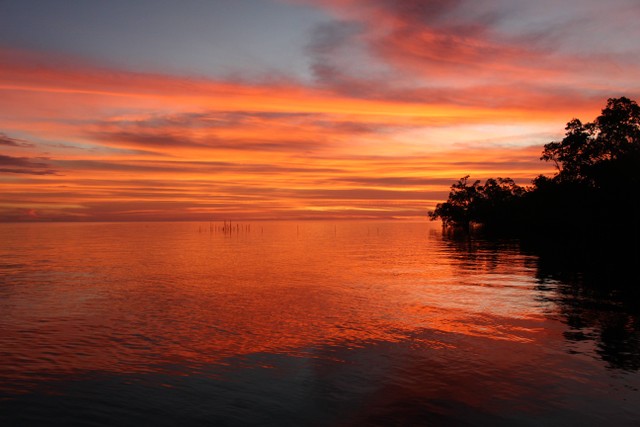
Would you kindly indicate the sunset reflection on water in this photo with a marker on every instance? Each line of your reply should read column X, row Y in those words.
column 385, row 311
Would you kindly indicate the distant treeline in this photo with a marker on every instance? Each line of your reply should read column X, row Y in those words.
column 594, row 194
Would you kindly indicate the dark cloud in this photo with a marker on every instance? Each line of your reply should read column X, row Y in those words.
column 14, row 142
column 27, row 171
column 336, row 52
column 330, row 36
column 24, row 165
column 115, row 166
column 145, row 139
column 310, row 132
column 158, row 140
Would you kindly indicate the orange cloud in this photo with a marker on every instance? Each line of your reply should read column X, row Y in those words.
column 88, row 143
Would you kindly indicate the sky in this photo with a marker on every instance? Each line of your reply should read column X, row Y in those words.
column 291, row 109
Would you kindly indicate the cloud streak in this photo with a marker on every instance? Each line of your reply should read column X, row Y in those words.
column 14, row 142
column 24, row 165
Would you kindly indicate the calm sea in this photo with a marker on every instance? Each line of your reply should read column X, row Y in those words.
column 304, row 324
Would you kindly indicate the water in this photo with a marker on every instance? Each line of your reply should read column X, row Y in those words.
column 310, row 323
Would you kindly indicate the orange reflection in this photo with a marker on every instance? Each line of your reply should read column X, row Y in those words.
column 138, row 297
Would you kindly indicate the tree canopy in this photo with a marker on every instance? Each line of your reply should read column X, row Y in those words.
column 472, row 202
column 587, row 148
column 597, row 180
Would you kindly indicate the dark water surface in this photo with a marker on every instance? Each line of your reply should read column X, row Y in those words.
column 314, row 323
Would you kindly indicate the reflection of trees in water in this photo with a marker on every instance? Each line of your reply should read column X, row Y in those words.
column 597, row 296
column 479, row 254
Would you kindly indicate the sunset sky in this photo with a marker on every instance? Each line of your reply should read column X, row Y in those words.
column 266, row 109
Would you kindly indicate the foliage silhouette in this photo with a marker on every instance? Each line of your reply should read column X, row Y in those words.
column 590, row 153
column 480, row 204
column 593, row 195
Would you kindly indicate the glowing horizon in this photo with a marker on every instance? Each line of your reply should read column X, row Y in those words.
column 399, row 102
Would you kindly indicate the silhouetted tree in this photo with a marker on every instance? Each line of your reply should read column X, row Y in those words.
column 597, row 183
column 499, row 203
column 474, row 203
column 458, row 209
column 588, row 151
